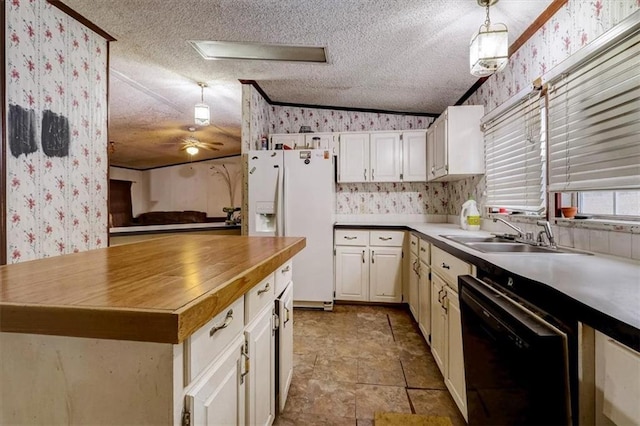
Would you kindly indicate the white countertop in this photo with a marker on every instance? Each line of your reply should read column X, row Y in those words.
column 608, row 284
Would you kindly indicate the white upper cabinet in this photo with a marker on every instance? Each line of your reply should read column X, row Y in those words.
column 385, row 157
column 353, row 157
column 292, row 140
column 455, row 144
column 414, row 156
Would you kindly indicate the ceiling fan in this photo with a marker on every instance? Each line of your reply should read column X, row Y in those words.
column 192, row 145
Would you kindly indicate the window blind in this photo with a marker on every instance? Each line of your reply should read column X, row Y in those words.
column 594, row 121
column 514, row 157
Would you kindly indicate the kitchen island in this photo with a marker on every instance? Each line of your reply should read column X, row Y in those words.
column 103, row 336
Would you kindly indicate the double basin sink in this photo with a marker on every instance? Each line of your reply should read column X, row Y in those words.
column 498, row 244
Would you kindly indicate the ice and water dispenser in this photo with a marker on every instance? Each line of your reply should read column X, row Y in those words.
column 265, row 216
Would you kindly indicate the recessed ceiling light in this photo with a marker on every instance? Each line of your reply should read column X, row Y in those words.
column 258, row 51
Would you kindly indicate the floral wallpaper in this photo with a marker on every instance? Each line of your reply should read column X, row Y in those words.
column 284, row 119
column 255, row 118
column 391, row 198
column 56, row 161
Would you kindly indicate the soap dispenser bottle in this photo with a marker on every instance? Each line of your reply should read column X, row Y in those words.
column 470, row 216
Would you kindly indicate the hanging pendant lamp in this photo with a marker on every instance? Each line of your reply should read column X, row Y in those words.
column 489, row 47
column 201, row 110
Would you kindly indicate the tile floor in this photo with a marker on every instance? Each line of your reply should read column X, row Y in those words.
column 357, row 360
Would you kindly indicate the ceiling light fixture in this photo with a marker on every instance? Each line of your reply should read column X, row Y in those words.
column 192, row 150
column 489, row 47
column 201, row 110
column 211, row 50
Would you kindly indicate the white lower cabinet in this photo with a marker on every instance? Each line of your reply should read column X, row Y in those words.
column 446, row 324
column 368, row 265
column 260, row 386
column 218, row 397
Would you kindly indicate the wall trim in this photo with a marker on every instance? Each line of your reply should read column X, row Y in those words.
column 81, row 19
column 337, row 108
column 3, row 146
column 526, row 35
column 176, row 164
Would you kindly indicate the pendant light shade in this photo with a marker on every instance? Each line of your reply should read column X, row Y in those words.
column 489, row 47
column 201, row 113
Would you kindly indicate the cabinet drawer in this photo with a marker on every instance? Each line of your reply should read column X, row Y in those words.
column 425, row 251
column 414, row 241
column 386, row 238
column 209, row 341
column 258, row 297
column 448, row 266
column 283, row 277
column 348, row 237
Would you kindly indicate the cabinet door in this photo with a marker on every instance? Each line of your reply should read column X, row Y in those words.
column 261, row 378
column 285, row 345
column 385, row 157
column 431, row 159
column 352, row 273
column 293, row 140
column 440, row 146
column 414, row 156
column 413, row 286
column 438, row 322
column 219, row 396
column 385, row 274
column 424, row 294
column 454, row 377
column 353, row 158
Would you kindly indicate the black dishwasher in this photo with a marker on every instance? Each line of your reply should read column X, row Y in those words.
column 516, row 362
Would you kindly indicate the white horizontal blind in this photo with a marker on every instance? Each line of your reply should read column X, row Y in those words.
column 594, row 122
column 514, row 157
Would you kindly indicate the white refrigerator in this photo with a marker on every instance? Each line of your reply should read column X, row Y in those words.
column 291, row 193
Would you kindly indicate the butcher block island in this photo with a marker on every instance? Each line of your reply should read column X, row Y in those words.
column 156, row 332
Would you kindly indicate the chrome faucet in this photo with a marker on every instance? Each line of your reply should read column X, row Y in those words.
column 546, row 230
column 510, row 225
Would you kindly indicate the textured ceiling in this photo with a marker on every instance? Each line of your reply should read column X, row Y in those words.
column 400, row 55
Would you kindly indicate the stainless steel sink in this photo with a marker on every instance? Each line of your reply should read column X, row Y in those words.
column 499, row 244
column 462, row 239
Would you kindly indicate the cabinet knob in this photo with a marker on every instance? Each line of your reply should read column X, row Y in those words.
column 445, row 266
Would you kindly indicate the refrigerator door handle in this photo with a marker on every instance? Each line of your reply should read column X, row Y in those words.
column 281, row 202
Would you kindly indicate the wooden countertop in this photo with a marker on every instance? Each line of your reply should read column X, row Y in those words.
column 160, row 290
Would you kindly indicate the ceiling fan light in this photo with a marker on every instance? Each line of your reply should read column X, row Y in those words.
column 192, row 150
column 201, row 115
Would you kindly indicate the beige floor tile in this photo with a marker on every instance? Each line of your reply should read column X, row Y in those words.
column 306, row 419
column 381, row 371
column 421, row 371
column 364, row 422
column 435, row 403
column 337, row 369
column 336, row 398
column 372, row 398
column 304, row 364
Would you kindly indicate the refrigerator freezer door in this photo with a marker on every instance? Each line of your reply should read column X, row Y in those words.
column 308, row 212
column 265, row 192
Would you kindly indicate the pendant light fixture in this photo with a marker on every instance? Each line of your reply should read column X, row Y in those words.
column 201, row 110
column 489, row 47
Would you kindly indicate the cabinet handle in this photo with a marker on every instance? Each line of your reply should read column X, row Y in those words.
column 445, row 303
column 422, row 249
column 373, row 175
column 440, row 296
column 285, row 270
column 413, row 243
column 244, row 351
column 373, row 256
column 362, row 256
column 225, row 324
column 365, row 175
column 346, row 237
column 445, row 266
column 385, row 238
column 265, row 289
